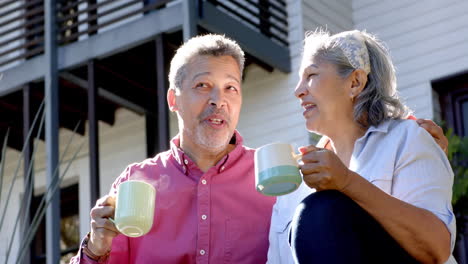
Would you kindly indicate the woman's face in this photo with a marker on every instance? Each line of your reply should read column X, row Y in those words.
column 325, row 96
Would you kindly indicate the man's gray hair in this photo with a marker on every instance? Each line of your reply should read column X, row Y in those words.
column 206, row 45
column 379, row 99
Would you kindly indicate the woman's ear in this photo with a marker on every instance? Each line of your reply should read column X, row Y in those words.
column 171, row 100
column 358, row 82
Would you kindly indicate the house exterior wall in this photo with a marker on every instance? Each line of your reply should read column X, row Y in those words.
column 427, row 40
column 270, row 112
column 334, row 15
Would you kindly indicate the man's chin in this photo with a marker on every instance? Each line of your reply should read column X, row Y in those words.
column 214, row 142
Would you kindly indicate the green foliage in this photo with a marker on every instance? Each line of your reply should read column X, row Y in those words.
column 458, row 156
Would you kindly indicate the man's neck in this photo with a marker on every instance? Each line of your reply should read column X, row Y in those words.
column 205, row 158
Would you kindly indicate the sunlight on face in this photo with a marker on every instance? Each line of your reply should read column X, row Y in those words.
column 209, row 102
column 324, row 96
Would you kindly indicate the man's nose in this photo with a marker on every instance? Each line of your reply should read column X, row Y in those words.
column 217, row 98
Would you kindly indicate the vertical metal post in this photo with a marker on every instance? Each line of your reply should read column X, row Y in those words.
column 161, row 86
column 93, row 134
column 28, row 180
column 157, row 119
column 190, row 14
column 51, row 129
column 151, row 133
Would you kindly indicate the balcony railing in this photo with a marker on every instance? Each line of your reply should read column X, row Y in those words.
column 22, row 21
column 268, row 17
column 21, row 30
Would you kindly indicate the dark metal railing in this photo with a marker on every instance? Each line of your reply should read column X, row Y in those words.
column 21, row 30
column 268, row 17
column 77, row 18
column 22, row 21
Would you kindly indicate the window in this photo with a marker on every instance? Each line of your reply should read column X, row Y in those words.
column 453, row 98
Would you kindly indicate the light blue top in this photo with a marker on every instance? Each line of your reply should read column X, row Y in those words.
column 397, row 156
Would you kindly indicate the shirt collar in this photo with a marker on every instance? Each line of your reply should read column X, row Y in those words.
column 185, row 162
column 382, row 127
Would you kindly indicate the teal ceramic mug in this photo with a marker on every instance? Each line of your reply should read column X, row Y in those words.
column 276, row 169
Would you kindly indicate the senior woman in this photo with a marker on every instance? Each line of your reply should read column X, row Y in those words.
column 383, row 185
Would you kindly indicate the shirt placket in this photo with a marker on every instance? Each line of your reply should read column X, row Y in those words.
column 204, row 206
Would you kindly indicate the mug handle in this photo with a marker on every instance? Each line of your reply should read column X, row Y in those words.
column 298, row 157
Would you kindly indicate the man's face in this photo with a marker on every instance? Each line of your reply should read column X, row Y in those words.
column 209, row 101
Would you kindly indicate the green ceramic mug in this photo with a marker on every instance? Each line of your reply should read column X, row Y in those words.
column 134, row 208
column 276, row 169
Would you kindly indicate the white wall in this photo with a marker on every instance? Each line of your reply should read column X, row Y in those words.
column 427, row 39
column 334, row 15
column 270, row 112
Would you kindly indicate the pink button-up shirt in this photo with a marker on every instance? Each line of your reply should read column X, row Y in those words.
column 211, row 217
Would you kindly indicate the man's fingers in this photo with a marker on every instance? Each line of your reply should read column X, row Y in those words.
column 102, row 212
column 107, row 200
column 436, row 132
column 431, row 127
column 103, row 223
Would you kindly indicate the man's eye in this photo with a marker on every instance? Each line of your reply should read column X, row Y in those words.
column 201, row 85
column 232, row 88
column 310, row 75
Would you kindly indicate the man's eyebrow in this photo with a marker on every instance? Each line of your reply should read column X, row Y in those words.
column 200, row 74
column 230, row 76
column 233, row 78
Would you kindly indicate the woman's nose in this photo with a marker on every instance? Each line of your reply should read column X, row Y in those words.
column 300, row 90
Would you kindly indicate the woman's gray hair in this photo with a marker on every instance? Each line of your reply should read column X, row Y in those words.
column 205, row 45
column 379, row 100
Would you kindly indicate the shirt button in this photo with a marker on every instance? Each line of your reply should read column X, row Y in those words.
column 185, row 169
column 203, row 217
column 185, row 161
column 202, row 252
column 222, row 168
column 203, row 181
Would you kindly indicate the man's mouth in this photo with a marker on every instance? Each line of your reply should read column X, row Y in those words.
column 216, row 121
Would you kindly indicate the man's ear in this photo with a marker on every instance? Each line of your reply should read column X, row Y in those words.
column 171, row 100
column 358, row 82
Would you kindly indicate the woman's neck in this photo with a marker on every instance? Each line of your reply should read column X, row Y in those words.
column 343, row 139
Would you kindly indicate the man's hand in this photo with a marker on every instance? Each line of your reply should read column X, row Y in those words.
column 323, row 170
column 436, row 132
column 102, row 229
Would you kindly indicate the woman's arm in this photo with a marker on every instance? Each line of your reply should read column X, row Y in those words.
column 421, row 184
column 418, row 231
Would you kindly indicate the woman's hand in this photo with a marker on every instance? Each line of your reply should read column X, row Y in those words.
column 323, row 170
